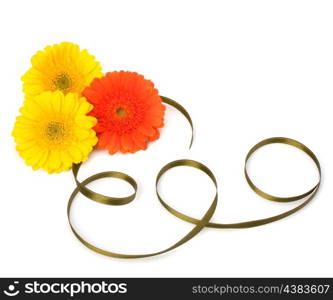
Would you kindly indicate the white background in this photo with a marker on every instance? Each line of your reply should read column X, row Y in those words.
column 245, row 70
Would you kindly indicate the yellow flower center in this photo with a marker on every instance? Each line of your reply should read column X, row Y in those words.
column 121, row 112
column 62, row 82
column 55, row 131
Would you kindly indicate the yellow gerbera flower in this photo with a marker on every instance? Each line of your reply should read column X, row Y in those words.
column 61, row 67
column 54, row 131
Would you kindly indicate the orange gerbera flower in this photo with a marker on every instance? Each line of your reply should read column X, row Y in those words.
column 128, row 110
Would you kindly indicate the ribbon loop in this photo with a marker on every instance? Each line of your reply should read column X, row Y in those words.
column 198, row 226
column 286, row 141
column 102, row 198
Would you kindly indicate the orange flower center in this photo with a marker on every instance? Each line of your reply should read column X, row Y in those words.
column 121, row 112
column 122, row 115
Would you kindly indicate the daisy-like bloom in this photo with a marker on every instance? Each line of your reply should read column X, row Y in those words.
column 62, row 67
column 128, row 110
column 54, row 131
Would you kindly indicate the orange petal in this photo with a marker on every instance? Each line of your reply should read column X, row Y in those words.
column 156, row 109
column 155, row 121
column 155, row 136
column 139, row 140
column 103, row 139
column 146, row 130
column 114, row 143
column 126, row 142
column 92, row 95
column 99, row 127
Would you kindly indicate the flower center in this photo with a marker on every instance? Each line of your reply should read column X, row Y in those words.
column 55, row 131
column 121, row 112
column 62, row 82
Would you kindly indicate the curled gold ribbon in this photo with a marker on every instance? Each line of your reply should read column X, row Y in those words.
column 311, row 193
column 182, row 110
column 197, row 228
column 205, row 220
